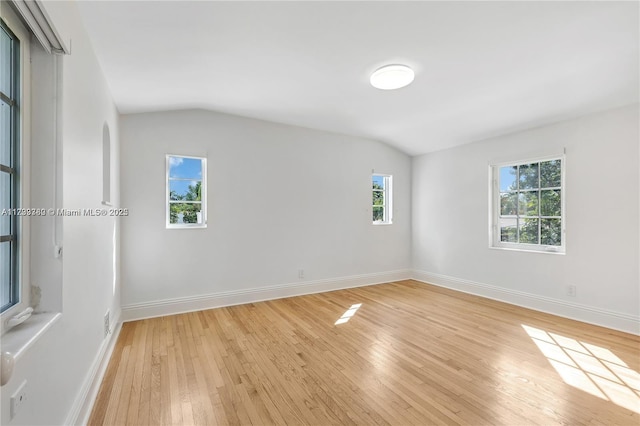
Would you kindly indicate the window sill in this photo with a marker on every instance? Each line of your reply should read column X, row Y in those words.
column 188, row 227
column 528, row 251
column 16, row 341
column 21, row 337
column 382, row 223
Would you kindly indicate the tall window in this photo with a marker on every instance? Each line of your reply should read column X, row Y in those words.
column 528, row 205
column 9, row 161
column 186, row 192
column 381, row 186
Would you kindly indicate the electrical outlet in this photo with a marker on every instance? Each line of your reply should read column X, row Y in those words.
column 571, row 290
column 107, row 324
column 300, row 273
column 18, row 399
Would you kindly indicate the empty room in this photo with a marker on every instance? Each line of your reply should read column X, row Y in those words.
column 319, row 212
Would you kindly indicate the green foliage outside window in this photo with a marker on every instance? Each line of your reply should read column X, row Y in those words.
column 188, row 210
column 378, row 202
column 531, row 205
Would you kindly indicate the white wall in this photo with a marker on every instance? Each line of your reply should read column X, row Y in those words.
column 450, row 214
column 58, row 365
column 46, row 179
column 281, row 199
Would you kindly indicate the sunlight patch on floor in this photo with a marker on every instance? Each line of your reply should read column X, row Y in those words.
column 348, row 314
column 588, row 367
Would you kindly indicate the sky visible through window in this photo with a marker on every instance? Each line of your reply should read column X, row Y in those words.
column 379, row 180
column 507, row 178
column 184, row 168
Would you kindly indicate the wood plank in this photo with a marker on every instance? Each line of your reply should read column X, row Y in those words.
column 411, row 354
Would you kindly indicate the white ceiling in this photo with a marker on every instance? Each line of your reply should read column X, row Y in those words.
column 482, row 68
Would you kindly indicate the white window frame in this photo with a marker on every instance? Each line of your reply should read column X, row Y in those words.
column 387, row 197
column 23, row 170
column 494, row 207
column 203, row 189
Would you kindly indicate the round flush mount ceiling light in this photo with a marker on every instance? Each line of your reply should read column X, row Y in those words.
column 392, row 77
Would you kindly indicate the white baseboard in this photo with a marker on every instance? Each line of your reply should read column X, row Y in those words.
column 238, row 297
column 83, row 404
column 588, row 314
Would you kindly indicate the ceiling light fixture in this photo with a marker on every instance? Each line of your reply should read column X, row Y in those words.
column 392, row 77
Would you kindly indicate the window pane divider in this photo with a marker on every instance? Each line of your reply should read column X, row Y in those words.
column 7, row 100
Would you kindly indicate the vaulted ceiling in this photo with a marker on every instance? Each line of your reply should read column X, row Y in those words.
column 482, row 68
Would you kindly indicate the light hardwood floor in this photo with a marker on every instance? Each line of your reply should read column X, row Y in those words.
column 411, row 353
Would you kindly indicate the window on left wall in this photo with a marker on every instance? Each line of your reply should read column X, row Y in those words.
column 14, row 111
column 186, row 192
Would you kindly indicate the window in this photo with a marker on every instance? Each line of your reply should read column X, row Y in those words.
column 14, row 46
column 9, row 83
column 381, row 185
column 528, row 205
column 186, row 192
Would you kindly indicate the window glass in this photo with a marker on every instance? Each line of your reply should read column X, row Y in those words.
column 5, row 275
column 550, row 174
column 5, row 203
column 5, row 133
column 528, row 205
column 185, row 168
column 381, row 199
column 186, row 182
column 528, row 176
column 6, row 52
column 508, row 178
column 9, row 74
